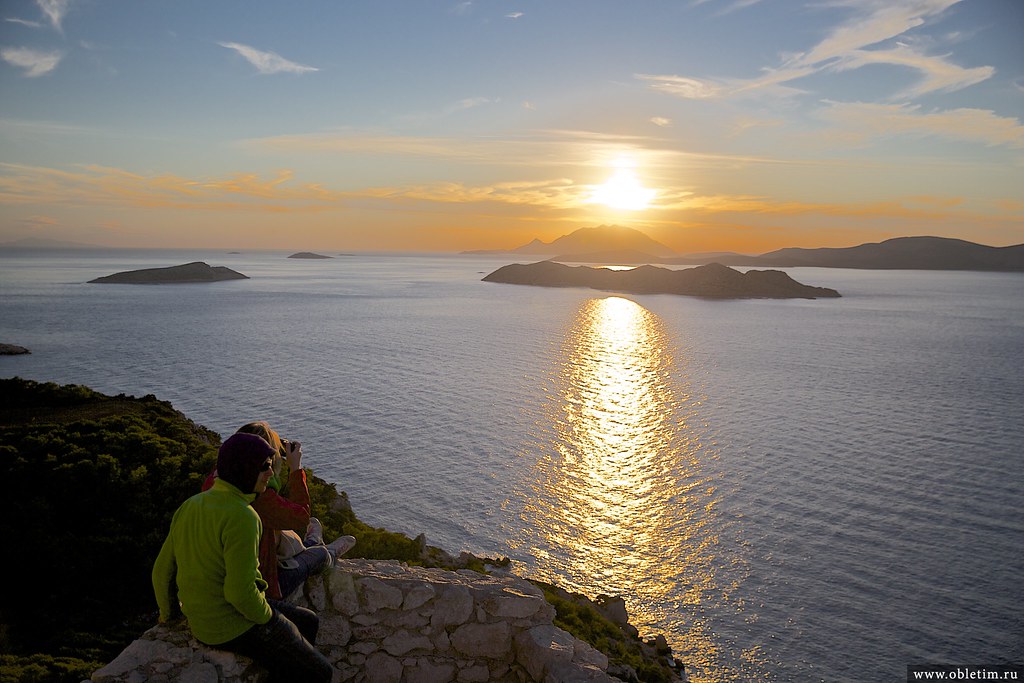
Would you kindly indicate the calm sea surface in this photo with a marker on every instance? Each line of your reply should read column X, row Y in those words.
column 789, row 490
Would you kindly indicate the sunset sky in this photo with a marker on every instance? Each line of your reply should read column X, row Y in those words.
column 740, row 125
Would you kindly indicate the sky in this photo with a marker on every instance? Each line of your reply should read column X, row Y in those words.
column 423, row 125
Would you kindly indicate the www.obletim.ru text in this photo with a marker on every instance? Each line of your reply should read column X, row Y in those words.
column 940, row 672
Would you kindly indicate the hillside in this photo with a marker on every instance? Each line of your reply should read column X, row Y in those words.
column 627, row 246
column 95, row 480
column 899, row 253
column 904, row 253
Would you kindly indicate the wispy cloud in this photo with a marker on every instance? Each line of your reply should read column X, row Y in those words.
column 859, row 122
column 98, row 185
column 853, row 44
column 55, row 11
column 736, row 6
column 661, row 121
column 268, row 62
column 24, row 22
column 90, row 186
column 104, row 186
column 681, row 86
column 938, row 74
column 468, row 103
column 558, row 193
column 34, row 62
column 513, row 15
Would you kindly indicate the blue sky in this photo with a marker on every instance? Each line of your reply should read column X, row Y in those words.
column 739, row 125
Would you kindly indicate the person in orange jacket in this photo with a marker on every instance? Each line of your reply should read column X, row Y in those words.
column 288, row 512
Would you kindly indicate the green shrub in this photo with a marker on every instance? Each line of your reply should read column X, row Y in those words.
column 39, row 668
column 579, row 617
column 92, row 482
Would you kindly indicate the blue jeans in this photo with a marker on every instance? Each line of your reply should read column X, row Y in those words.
column 284, row 645
column 311, row 562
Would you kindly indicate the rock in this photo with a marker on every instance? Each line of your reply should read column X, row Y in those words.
column 614, row 608
column 382, row 622
column 491, row 641
column 543, row 646
column 12, row 350
column 196, row 271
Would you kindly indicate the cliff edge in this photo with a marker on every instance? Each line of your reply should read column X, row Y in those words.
column 389, row 622
column 107, row 474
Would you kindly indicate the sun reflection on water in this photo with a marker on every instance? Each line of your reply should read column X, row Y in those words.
column 622, row 482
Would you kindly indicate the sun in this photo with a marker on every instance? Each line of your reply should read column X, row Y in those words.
column 623, row 191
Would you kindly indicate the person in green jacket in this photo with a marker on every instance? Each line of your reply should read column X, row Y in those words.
column 208, row 570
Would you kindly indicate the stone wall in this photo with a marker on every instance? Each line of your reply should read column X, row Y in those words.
column 384, row 622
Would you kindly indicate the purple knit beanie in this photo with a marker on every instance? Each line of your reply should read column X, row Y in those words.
column 241, row 459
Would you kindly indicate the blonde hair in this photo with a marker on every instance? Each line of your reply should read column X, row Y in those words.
column 263, row 430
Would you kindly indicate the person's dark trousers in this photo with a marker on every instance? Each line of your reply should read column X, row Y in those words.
column 285, row 645
column 309, row 562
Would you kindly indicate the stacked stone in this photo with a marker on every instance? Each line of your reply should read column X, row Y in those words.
column 384, row 622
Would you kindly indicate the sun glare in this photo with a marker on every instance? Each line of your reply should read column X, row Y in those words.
column 623, row 191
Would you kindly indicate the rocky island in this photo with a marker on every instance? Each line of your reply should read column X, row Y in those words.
column 309, row 255
column 713, row 281
column 196, row 271
column 12, row 350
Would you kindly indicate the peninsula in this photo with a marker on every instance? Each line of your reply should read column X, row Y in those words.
column 713, row 281
column 196, row 271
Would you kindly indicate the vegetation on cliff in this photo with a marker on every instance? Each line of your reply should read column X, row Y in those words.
column 93, row 481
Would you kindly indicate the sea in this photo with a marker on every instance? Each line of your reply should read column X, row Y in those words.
column 787, row 490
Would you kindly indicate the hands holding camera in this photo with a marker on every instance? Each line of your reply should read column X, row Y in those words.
column 293, row 452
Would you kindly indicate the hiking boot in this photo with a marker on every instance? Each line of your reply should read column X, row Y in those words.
column 341, row 545
column 314, row 532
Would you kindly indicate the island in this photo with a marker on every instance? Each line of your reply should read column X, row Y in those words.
column 713, row 281
column 196, row 271
column 309, row 255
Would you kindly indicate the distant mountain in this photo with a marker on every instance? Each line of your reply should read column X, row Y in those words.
column 710, row 281
column 602, row 239
column 899, row 253
column 309, row 255
column 909, row 253
column 45, row 243
column 622, row 257
column 189, row 272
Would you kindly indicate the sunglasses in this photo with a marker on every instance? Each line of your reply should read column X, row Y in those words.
column 267, row 465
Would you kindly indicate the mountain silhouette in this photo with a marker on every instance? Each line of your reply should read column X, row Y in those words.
column 603, row 240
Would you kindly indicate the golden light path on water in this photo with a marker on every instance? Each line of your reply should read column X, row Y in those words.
column 623, row 483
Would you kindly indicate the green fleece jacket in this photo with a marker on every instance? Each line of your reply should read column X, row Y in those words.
column 209, row 564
